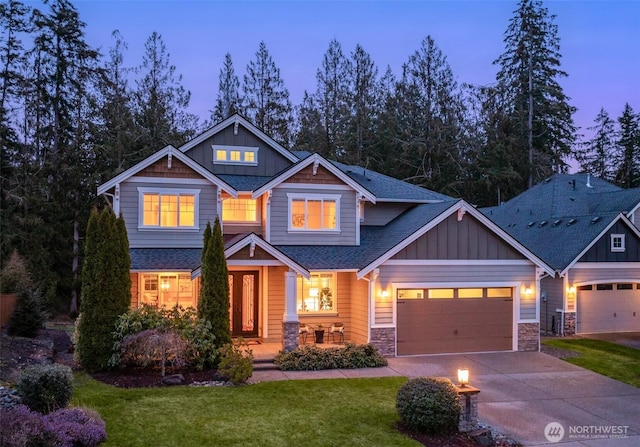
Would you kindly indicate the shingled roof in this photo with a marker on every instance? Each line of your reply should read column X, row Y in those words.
column 559, row 217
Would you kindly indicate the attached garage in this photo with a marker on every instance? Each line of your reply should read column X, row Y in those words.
column 447, row 320
column 608, row 307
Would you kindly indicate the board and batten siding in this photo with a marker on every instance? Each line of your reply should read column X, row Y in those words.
column 280, row 219
column 554, row 290
column 270, row 161
column 455, row 240
column 166, row 238
column 601, row 250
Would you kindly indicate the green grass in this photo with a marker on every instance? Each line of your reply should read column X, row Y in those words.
column 336, row 412
column 618, row 362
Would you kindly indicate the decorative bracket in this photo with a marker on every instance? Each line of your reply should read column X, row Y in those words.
column 269, row 194
column 235, row 128
column 169, row 158
column 252, row 249
column 461, row 212
column 315, row 166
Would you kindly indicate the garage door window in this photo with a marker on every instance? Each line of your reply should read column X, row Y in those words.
column 440, row 294
column 604, row 287
column 410, row 294
column 462, row 293
column 499, row 292
column 470, row 293
column 628, row 286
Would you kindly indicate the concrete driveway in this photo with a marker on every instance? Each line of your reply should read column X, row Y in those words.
column 521, row 393
column 631, row 339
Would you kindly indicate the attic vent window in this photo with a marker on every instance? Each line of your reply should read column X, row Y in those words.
column 530, row 224
column 571, row 222
column 542, row 224
column 617, row 243
column 557, row 222
column 595, row 219
column 235, row 155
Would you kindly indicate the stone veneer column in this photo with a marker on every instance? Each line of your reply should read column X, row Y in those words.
column 385, row 340
column 528, row 336
column 569, row 323
column 290, row 331
column 469, row 408
column 290, row 323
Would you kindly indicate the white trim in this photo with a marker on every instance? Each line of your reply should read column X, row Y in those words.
column 383, row 200
column 142, row 190
column 169, row 181
column 455, row 207
column 254, row 262
column 230, row 148
column 606, row 265
column 235, row 120
column 620, row 216
column 315, row 186
column 622, row 248
column 315, row 158
column 291, row 196
column 474, row 262
column 618, row 280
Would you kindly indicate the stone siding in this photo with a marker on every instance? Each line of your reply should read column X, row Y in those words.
column 385, row 340
column 290, row 331
column 528, row 336
column 570, row 323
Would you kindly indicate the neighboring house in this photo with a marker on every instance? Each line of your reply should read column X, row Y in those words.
column 587, row 230
column 314, row 241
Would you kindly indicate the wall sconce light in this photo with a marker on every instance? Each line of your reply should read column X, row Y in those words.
column 463, row 377
column 571, row 292
column 528, row 292
column 384, row 294
column 164, row 285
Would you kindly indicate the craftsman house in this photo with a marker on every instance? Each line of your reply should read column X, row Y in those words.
column 586, row 229
column 312, row 241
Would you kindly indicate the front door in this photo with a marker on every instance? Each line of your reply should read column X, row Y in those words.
column 243, row 297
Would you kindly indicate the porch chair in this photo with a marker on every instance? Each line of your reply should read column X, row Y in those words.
column 337, row 330
column 303, row 332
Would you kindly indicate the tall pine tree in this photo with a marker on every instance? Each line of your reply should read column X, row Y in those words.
column 228, row 101
column 628, row 157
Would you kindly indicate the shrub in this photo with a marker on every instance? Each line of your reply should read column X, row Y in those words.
column 69, row 427
column 311, row 358
column 74, row 427
column 154, row 346
column 236, row 362
column 29, row 315
column 14, row 277
column 45, row 388
column 429, row 405
column 200, row 348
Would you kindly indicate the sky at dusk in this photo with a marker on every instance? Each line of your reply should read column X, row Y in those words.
column 599, row 40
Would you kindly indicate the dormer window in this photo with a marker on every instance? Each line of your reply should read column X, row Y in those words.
column 617, row 243
column 235, row 155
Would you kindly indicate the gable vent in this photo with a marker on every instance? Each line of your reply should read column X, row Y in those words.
column 557, row 222
column 595, row 219
column 571, row 222
column 542, row 224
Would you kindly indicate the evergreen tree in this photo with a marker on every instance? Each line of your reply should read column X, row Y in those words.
column 213, row 304
column 228, row 101
column 266, row 100
column 627, row 159
column 310, row 134
column 529, row 73
column 161, row 101
column 596, row 154
column 106, row 288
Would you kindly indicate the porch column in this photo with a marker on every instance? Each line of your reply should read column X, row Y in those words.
column 290, row 324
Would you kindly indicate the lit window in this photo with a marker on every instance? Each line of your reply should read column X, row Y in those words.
column 168, row 209
column 499, row 292
column 470, row 293
column 312, row 212
column 617, row 242
column 439, row 294
column 317, row 294
column 239, row 210
column 410, row 294
column 167, row 290
column 235, row 155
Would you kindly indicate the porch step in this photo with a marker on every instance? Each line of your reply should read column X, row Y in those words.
column 265, row 363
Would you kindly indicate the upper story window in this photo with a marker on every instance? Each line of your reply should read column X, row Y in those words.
column 168, row 208
column 235, row 155
column 617, row 242
column 317, row 294
column 240, row 210
column 314, row 212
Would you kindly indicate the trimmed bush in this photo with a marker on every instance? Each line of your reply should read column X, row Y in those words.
column 236, row 362
column 311, row 358
column 45, row 388
column 429, row 405
column 29, row 316
column 69, row 427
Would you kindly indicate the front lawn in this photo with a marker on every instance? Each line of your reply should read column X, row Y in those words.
column 336, row 412
column 618, row 362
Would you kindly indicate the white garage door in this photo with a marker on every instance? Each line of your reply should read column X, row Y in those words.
column 608, row 308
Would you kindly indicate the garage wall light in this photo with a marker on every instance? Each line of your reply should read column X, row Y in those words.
column 571, row 292
column 384, row 294
column 528, row 292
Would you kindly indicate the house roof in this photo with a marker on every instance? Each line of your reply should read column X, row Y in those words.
column 178, row 259
column 561, row 216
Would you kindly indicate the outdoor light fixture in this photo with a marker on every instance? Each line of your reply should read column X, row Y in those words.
column 164, row 285
column 571, row 292
column 528, row 291
column 384, row 294
column 463, row 376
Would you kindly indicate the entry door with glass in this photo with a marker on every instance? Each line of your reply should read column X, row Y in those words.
column 243, row 298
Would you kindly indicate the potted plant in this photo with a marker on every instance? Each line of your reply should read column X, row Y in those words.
column 319, row 331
